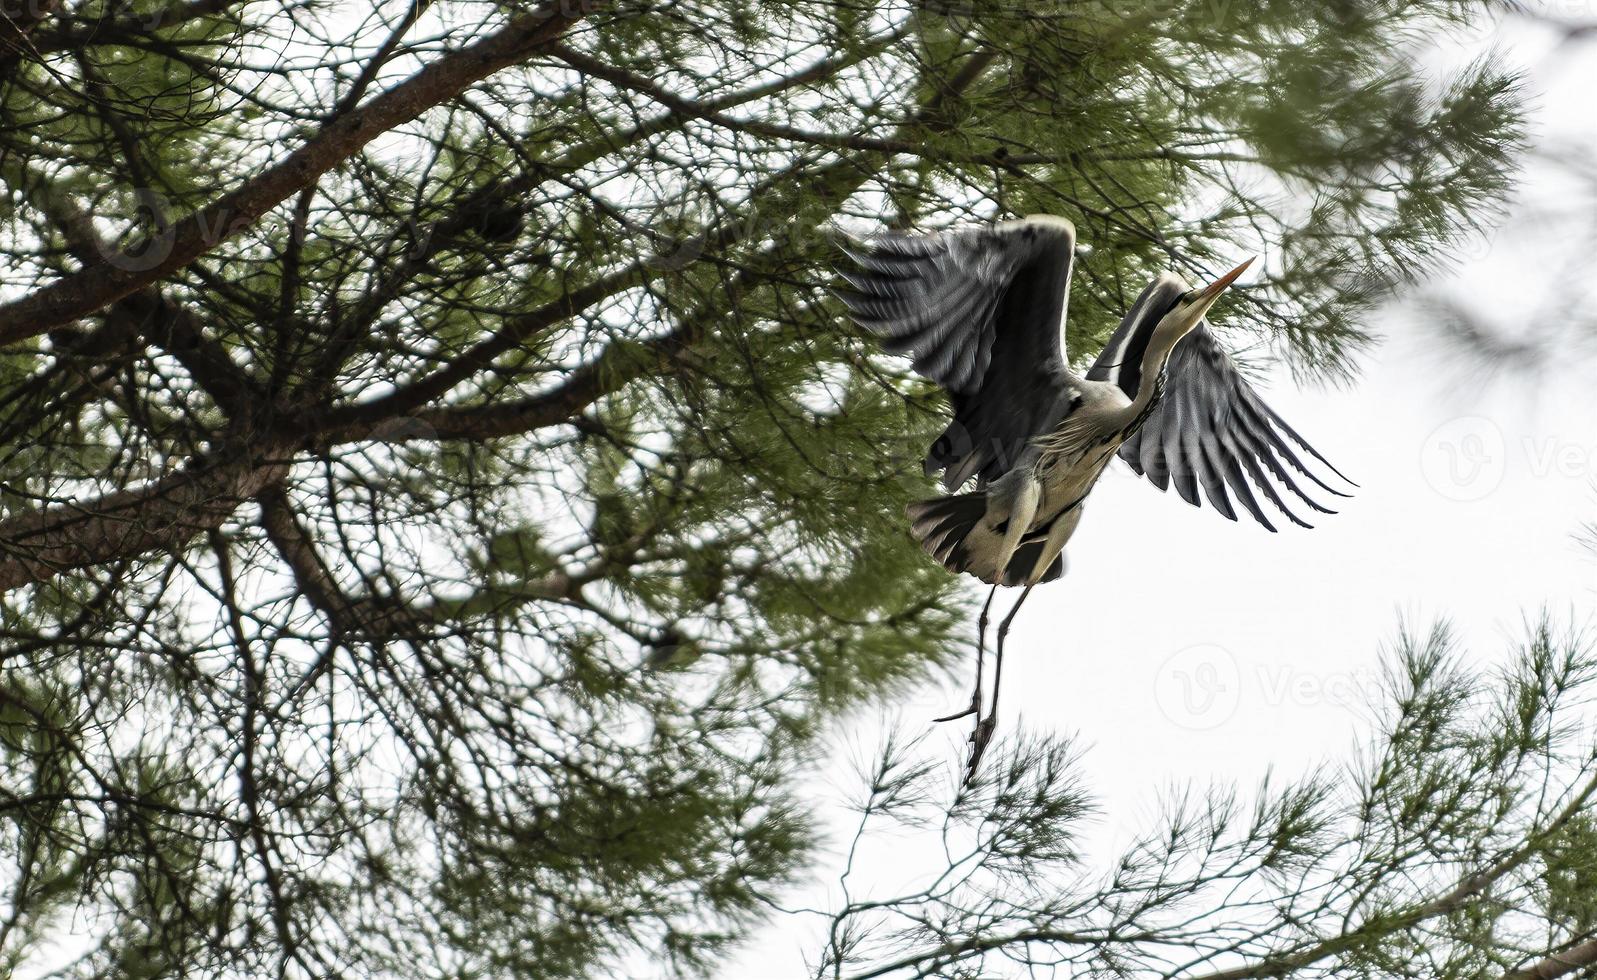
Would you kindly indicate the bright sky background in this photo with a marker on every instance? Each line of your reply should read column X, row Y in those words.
column 1182, row 648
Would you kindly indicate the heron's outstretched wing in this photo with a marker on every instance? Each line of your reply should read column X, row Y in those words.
column 1212, row 430
column 981, row 313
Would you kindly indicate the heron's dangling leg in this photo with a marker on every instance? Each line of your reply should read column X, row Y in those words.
column 1022, row 509
column 981, row 650
column 984, row 726
column 1003, row 631
column 1058, row 533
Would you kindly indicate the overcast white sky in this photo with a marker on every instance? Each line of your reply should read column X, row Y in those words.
column 1181, row 647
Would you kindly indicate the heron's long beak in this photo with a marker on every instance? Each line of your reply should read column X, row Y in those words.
column 1205, row 299
column 1212, row 291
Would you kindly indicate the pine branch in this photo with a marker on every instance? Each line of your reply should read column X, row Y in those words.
column 1467, row 889
column 162, row 514
column 833, row 183
column 1559, row 964
column 107, row 280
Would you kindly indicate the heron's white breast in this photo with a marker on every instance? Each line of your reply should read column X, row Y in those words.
column 1074, row 454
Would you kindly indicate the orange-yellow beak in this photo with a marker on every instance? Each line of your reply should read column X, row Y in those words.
column 1213, row 290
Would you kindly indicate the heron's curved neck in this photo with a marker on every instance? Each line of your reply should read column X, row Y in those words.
column 1151, row 369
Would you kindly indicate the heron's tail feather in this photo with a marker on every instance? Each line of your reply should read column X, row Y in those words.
column 1025, row 561
column 943, row 525
column 952, row 531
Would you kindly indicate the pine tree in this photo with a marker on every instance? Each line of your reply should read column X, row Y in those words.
column 442, row 503
column 1462, row 843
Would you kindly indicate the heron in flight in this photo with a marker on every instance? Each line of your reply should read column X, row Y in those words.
column 982, row 313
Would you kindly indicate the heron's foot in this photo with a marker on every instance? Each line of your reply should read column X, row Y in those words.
column 970, row 709
column 979, row 737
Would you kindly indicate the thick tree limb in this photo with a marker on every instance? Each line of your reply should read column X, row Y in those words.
column 164, row 513
column 146, row 313
column 1560, row 964
column 349, row 616
column 110, row 279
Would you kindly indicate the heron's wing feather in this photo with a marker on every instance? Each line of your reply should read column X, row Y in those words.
column 1212, row 432
column 980, row 312
column 969, row 303
column 993, row 430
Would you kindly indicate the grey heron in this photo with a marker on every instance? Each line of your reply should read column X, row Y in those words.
column 982, row 312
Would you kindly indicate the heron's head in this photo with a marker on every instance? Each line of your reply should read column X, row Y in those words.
column 1166, row 311
column 1187, row 307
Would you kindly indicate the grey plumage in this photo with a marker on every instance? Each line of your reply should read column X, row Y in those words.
column 950, row 530
column 1212, row 430
column 981, row 312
